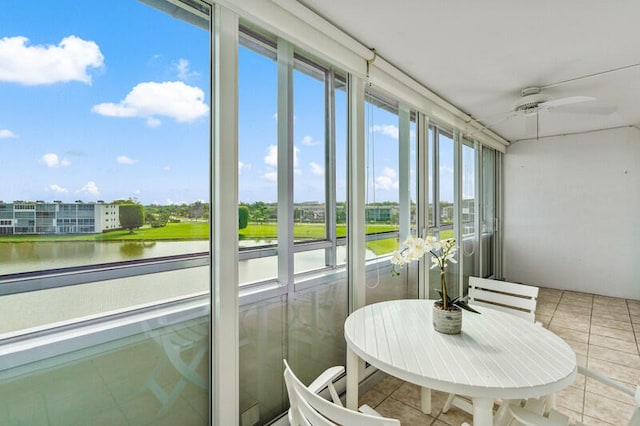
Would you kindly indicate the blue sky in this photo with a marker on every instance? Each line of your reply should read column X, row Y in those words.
column 110, row 100
column 102, row 101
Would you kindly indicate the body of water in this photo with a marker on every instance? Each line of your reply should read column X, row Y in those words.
column 32, row 256
column 16, row 257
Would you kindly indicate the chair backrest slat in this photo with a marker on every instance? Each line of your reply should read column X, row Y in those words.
column 517, row 299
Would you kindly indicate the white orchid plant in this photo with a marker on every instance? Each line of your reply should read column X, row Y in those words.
column 442, row 252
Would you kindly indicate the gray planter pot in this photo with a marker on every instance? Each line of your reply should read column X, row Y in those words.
column 447, row 322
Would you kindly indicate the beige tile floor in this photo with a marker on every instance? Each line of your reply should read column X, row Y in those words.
column 603, row 331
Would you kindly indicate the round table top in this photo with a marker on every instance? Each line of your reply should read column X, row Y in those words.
column 496, row 355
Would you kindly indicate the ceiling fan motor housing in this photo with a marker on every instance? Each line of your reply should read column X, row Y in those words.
column 530, row 100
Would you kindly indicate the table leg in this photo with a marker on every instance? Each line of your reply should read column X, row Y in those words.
column 425, row 402
column 352, row 380
column 482, row 411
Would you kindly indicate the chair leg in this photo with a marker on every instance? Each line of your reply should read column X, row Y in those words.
column 503, row 416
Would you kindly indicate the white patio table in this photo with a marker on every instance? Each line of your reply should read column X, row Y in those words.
column 497, row 355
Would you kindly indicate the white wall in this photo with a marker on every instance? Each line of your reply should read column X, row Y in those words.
column 572, row 213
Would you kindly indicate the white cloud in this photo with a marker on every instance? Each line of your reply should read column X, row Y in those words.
column 316, row 168
column 33, row 65
column 309, row 141
column 446, row 170
column 153, row 122
column 167, row 168
column 387, row 180
column 387, row 129
column 57, row 189
column 123, row 159
column 7, row 134
column 53, row 161
column 148, row 100
column 243, row 166
column 90, row 189
column 272, row 176
column 271, row 159
column 183, row 69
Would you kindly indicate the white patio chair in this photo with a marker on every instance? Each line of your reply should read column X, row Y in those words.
column 308, row 408
column 531, row 412
column 516, row 299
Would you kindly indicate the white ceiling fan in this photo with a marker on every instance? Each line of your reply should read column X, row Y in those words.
column 533, row 102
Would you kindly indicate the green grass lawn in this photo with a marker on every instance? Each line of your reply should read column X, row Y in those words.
column 171, row 232
column 313, row 231
column 200, row 231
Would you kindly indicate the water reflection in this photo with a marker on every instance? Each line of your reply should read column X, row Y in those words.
column 135, row 249
column 18, row 257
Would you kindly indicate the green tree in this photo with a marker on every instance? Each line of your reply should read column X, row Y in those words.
column 243, row 217
column 196, row 210
column 131, row 216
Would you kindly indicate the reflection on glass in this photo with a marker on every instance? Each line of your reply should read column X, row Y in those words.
column 445, row 179
column 135, row 249
column 413, row 174
column 431, row 183
column 340, row 97
column 157, row 377
column 469, row 244
column 309, row 213
column 488, row 210
column 258, row 156
column 382, row 159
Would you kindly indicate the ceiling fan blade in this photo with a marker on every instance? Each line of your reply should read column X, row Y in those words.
column 531, row 125
column 555, row 103
column 585, row 109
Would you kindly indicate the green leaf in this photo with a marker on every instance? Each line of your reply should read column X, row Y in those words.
column 464, row 305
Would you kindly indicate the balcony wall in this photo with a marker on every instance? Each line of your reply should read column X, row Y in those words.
column 571, row 212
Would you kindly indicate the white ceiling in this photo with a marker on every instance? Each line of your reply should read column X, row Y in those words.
column 480, row 54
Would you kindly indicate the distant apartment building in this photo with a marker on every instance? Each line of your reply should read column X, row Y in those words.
column 27, row 217
column 385, row 213
column 310, row 212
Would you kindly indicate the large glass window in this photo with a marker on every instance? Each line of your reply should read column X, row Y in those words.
column 293, row 305
column 468, row 233
column 382, row 161
column 258, row 156
column 104, row 211
column 122, row 118
column 442, row 182
column 488, row 211
column 390, row 166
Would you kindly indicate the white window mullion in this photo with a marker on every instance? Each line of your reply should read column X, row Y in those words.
column 457, row 203
column 404, row 171
column 285, row 164
column 499, row 213
column 423, row 198
column 330, row 167
column 356, row 226
column 477, row 207
column 224, row 233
